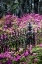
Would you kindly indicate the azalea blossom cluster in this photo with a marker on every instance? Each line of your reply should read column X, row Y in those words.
column 12, row 28
column 11, row 22
column 14, row 56
column 22, row 55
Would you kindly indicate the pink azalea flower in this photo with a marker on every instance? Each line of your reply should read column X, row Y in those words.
column 1, row 55
column 24, row 63
column 7, row 55
column 20, row 49
column 5, row 26
column 40, row 45
column 18, row 57
column 13, row 17
column 35, row 60
column 34, row 54
column 8, row 62
column 36, row 15
column 26, row 53
column 7, row 17
column 12, row 58
column 30, row 46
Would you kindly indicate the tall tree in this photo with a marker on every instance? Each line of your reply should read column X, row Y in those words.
column 36, row 6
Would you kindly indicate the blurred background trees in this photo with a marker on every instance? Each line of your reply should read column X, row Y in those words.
column 20, row 7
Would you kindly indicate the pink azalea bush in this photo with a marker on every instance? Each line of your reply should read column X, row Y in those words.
column 12, row 30
column 24, row 57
